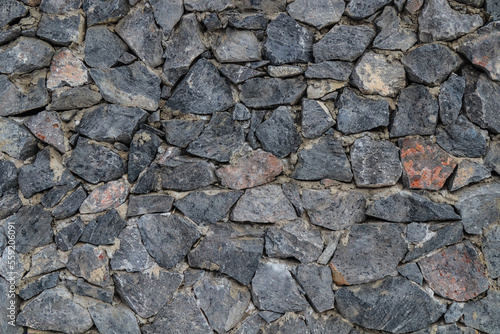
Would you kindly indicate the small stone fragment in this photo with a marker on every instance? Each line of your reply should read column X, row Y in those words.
column 74, row 98
column 316, row 118
column 468, row 172
column 273, row 92
column 255, row 121
column 67, row 236
column 25, row 55
column 450, row 98
column 70, row 205
column 454, row 313
column 61, row 30
column 47, row 127
column 154, row 203
column 81, row 288
column 40, row 284
column 241, row 112
column 16, row 140
column 461, row 139
column 336, row 70
column 8, row 176
column 90, row 263
column 237, row 73
column 491, row 251
column 483, row 314
column 237, row 46
column 180, row 132
column 392, row 35
column 317, row 284
column 184, row 174
column 104, row 11
column 10, row 11
column 343, row 42
column 319, row 13
column 16, row 100
column 131, row 254
column 284, row 71
column 104, row 229
column 481, row 100
column 7, row 36
column 361, row 9
column 412, row 272
column 114, row 319
column 167, row 13
column 143, row 150
column 103, row 48
column 107, row 196
column 9, row 204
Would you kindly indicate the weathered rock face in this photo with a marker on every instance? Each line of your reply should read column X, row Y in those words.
column 343, row 43
column 392, row 35
column 25, row 55
column 16, row 101
column 269, row 93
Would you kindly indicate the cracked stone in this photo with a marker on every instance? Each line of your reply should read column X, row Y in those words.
column 184, row 174
column 167, row 13
column 108, row 196
column 25, row 55
column 143, row 150
column 61, row 30
column 9, row 204
column 343, row 42
column 81, row 288
column 69, row 206
column 241, row 112
column 47, row 127
column 74, row 98
column 491, row 251
column 16, row 140
column 45, row 261
column 104, row 229
column 114, row 319
column 90, row 263
column 461, row 139
column 271, row 93
column 316, row 118
column 237, row 46
column 483, row 314
column 104, row 11
column 392, row 35
column 40, row 284
column 103, row 48
column 361, row 9
column 67, row 236
column 412, row 272
column 336, row 70
column 8, row 176
column 10, row 11
column 237, row 73
column 180, row 132
column 16, row 100
column 319, row 14
column 450, row 98
column 478, row 211
column 131, row 254
column 468, row 172
column 317, row 284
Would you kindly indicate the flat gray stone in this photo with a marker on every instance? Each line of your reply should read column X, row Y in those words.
column 16, row 140
column 491, row 251
column 40, row 284
column 412, row 272
column 59, row 6
column 461, row 139
column 468, row 172
column 104, row 229
column 131, row 255
column 450, row 98
column 45, row 260
column 104, row 11
column 478, row 212
column 9, row 204
column 5, row 303
column 144, row 204
column 24, row 55
column 74, row 98
column 247, row 21
column 8, row 176
column 481, row 99
column 317, row 284
column 90, row 263
column 10, row 11
column 392, row 35
column 70, row 205
column 103, row 48
column 47, row 126
column 143, row 149
column 319, row 13
column 183, row 174
column 167, row 13
column 114, row 319
column 484, row 314
column 343, row 42
column 328, row 322
column 61, row 30
column 316, row 118
column 68, row 236
column 361, row 9
column 235, row 46
column 81, row 288
column 56, row 194
column 336, row 70
column 16, row 100
column 273, row 92
column 238, row 73
column 180, row 132
column 207, row 5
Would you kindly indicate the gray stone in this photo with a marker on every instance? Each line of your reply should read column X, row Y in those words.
column 202, row 207
column 478, row 212
column 237, row 46
column 417, row 112
column 375, row 74
column 191, row 276
column 412, row 272
column 392, row 35
column 25, row 55
column 393, row 304
column 323, row 159
column 61, row 30
column 103, row 48
column 450, row 98
column 318, row 13
column 55, row 310
column 42, row 283
column 212, row 22
column 184, row 174
column 268, row 7
column 278, row 134
column 8, row 176
column 207, row 5
column 223, row 301
column 67, row 236
column 138, row 29
column 493, row 8
column 143, row 150
column 484, row 314
column 288, row 324
column 361, row 9
column 316, row 118
column 237, row 73
column 231, row 249
column 343, row 42
column 108, row 196
column 81, row 288
column 416, row 232
column 264, row 204
column 336, row 70
column 255, row 121
column 296, row 239
column 317, row 284
column 334, row 211
column 114, row 319
column 270, row 93
column 491, row 251
column 90, row 263
column 241, row 113
column 154, row 203
column 284, row 71
column 57, row 193
column 219, row 140
column 405, row 207
column 468, row 172
column 287, row 41
column 104, row 11
column 247, row 21
column 331, row 246
column 95, row 163
column 328, row 322
column 372, row 251
column 375, row 163
column 59, row 6
column 46, row 260
column 7, row 36
column 454, row 313
column 47, row 126
column 167, row 13
column 11, row 266
column 461, row 139
column 492, row 158
column 16, row 100
column 439, row 62
column 168, row 239
column 9, row 203
column 10, row 11
column 357, row 114
column 73, row 98
column 180, row 132
column 104, row 229
column 16, row 140
column 481, row 99
column 133, row 85
column 131, row 254
column 147, row 292
column 432, row 27
column 202, row 91
column 70, row 205
column 269, row 316
column 251, row 325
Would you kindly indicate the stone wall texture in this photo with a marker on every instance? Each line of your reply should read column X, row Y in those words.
column 250, row 166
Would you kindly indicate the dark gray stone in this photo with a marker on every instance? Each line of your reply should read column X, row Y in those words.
column 104, row 229
column 468, row 172
column 133, row 85
column 295, row 239
column 237, row 73
column 417, row 112
column 9, row 203
column 392, row 35
column 393, row 304
column 73, row 98
column 267, row 7
column 8, row 176
column 241, row 113
column 69, row 206
column 361, row 9
column 234, row 46
column 61, row 30
column 274, row 289
column 328, row 322
column 143, row 150
column 454, row 313
column 478, row 211
column 168, row 239
column 207, row 5
column 319, row 14
column 67, row 236
column 254, row 21
column 56, row 194
column 167, row 13
column 269, row 316
column 154, row 203
column 209, row 208
column 492, row 158
column 416, row 232
column 219, row 140
column 284, row 71
column 47, row 126
column 11, row 266
column 251, row 325
column 288, row 324
column 412, row 272
column 317, row 284
column 202, row 91
column 484, row 314
column 147, row 292
column 323, row 159
column 316, row 118
column 375, row 163
column 450, row 98
column 405, row 207
column 42, row 283
column 180, row 132
column 255, row 121
column 25, row 55
column 16, row 140
column 103, row 11
column 16, row 100
column 138, row 29
column 114, row 319
column 343, row 42
column 90, row 263
column 46, row 260
column 493, row 8
column 212, row 22
column 461, row 139
column 184, row 174
column 287, row 41
column 81, row 288
column 103, row 48
column 336, row 70
column 59, row 6
column 430, row 64
column 491, row 251
column 334, row 211
column 7, row 36
column 10, row 11
column 131, row 255
column 231, row 249
column 270, row 93
column 95, row 163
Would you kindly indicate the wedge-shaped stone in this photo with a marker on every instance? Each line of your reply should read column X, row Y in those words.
column 392, row 35
column 468, row 172
column 450, row 98
column 316, row 118
column 104, row 229
column 461, row 139
column 180, row 132
column 361, row 9
column 103, row 11
column 103, row 48
column 114, row 319
column 167, row 13
column 74, row 98
column 47, row 127
column 184, row 174
column 16, row 140
column 61, row 30
column 90, row 263
column 235, row 46
column 343, row 42
column 107, row 196
column 491, row 251
column 143, row 150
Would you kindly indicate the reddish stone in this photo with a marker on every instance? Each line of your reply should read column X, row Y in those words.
column 426, row 165
column 47, row 127
column 252, row 170
column 105, row 197
column 66, row 70
column 456, row 272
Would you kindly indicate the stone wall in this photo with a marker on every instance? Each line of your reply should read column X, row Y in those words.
column 249, row 166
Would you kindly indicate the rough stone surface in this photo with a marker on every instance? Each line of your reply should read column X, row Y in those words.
column 343, row 42
column 154, row 203
column 468, row 172
column 480, row 101
column 359, row 9
column 9, row 204
column 131, row 254
column 103, row 11
column 478, row 211
column 492, row 158
column 25, row 55
column 316, row 118
column 108, row 196
column 392, row 35
column 77, row 97
column 143, row 150
column 114, row 319
column 185, row 174
column 412, row 272
column 180, row 133
column 104, row 229
column 103, row 48
column 483, row 314
column 237, row 73
column 47, row 127
column 317, row 284
column 167, row 13
column 237, row 46
column 491, row 251
column 40, row 284
column 10, row 11
column 44, row 261
column 60, row 30
column 461, row 139
column 70, row 205
column 202, row 208
column 8, row 176
column 319, row 13
column 269, row 93
column 17, row 100
column 16, row 140
column 450, row 98
column 336, row 70
column 89, row 263
column 68, row 236
column 59, row 6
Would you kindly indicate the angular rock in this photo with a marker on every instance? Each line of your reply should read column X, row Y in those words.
column 247, row 21
column 155, row 203
column 255, row 121
column 343, row 42
column 287, row 41
column 406, row 207
column 392, row 35
column 412, row 272
column 393, row 304
column 55, row 310
column 74, row 98
column 114, row 319
column 432, row 27
column 426, row 165
column 95, row 163
column 167, row 13
column 90, row 263
column 478, row 211
column 316, row 118
column 264, row 204
column 81, row 288
column 11, row 266
column 104, row 229
column 321, row 159
column 104, row 11
column 40, row 284
column 287, row 324
column 268, row 7
column 357, row 114
column 59, row 6
column 5, row 301
column 375, row 163
column 9, row 204
column 67, row 236
column 359, row 9
column 16, row 140
column 180, row 132
column 133, row 85
column 334, row 211
column 237, row 73
column 251, row 325
column 103, row 48
column 284, row 71
column 143, row 150
column 294, row 239
column 416, row 114
column 481, row 99
column 483, row 314
column 468, row 172
column 16, row 100
column 184, row 174
column 461, row 139
column 131, row 254
column 492, row 158
column 107, row 196
column 70, row 205
column 336, row 70
column 24, row 55
column 47, row 127
column 328, row 322
column 44, row 261
column 439, row 62
column 319, row 14
column 241, row 113
column 8, row 176
column 278, row 133
column 10, row 11
column 377, row 250
column 138, row 29
column 61, row 30
column 237, row 46
column 56, row 194
column 219, row 140
column 202, row 91
column 374, row 74
column 270, row 93
column 454, row 313
column 450, row 98
column 456, row 272
column 491, row 251
column 7, row 36
column 207, row 5
column 317, row 284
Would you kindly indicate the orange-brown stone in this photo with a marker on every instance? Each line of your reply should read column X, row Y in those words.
column 66, row 70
